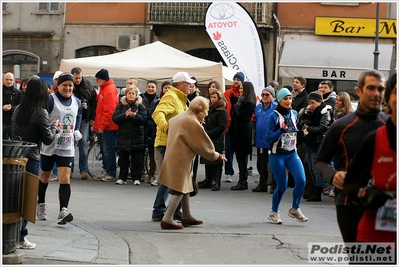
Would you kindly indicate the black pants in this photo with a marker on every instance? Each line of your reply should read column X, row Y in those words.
column 136, row 157
column 348, row 218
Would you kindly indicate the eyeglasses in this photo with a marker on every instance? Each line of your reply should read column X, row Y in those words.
column 265, row 94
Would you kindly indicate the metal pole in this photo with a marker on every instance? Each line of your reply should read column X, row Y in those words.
column 377, row 29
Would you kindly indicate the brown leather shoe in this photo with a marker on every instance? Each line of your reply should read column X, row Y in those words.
column 83, row 175
column 165, row 225
column 186, row 223
column 259, row 188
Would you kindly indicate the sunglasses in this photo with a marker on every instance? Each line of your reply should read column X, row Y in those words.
column 325, row 82
column 265, row 94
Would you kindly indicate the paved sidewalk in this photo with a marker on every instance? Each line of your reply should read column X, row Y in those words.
column 112, row 226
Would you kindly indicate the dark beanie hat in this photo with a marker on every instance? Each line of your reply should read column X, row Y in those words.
column 102, row 74
column 196, row 82
column 240, row 75
column 65, row 76
column 315, row 96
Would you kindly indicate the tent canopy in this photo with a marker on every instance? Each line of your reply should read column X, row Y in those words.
column 156, row 61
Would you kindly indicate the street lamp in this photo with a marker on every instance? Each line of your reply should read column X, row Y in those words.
column 377, row 29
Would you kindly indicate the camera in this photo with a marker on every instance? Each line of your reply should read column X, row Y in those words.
column 84, row 104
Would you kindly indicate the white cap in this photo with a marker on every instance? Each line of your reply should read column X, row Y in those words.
column 57, row 74
column 182, row 77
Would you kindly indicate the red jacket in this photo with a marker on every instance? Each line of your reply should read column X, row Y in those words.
column 107, row 101
column 236, row 92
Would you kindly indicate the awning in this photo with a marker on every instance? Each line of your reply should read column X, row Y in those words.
column 332, row 60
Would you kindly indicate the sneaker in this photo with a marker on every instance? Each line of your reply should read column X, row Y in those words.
column 155, row 182
column 100, row 176
column 120, row 181
column 83, row 175
column 327, row 191
column 108, row 178
column 157, row 217
column 136, row 182
column 274, row 217
column 332, row 194
column 26, row 244
column 53, row 177
column 177, row 216
column 229, row 178
column 41, row 211
column 151, row 179
column 64, row 216
column 297, row 213
column 260, row 188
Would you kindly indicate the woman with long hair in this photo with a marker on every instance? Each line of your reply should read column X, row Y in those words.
column 343, row 105
column 240, row 129
column 31, row 122
column 212, row 85
column 214, row 126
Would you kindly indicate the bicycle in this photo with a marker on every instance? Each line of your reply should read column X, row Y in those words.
column 95, row 158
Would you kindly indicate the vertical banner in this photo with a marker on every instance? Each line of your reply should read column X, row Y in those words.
column 236, row 37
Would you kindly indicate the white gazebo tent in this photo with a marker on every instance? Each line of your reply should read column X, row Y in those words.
column 156, row 61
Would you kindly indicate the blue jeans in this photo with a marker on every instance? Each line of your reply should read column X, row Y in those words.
column 32, row 166
column 83, row 145
column 108, row 147
column 162, row 194
column 228, row 165
column 7, row 131
column 316, row 178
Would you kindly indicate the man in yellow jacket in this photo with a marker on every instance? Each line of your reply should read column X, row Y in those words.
column 171, row 104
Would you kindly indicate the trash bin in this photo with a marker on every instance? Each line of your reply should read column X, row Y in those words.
column 14, row 162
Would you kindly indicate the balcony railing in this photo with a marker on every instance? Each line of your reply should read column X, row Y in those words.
column 193, row 13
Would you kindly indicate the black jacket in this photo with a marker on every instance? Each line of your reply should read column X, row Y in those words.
column 215, row 123
column 40, row 130
column 320, row 121
column 86, row 93
column 13, row 96
column 300, row 101
column 150, row 128
column 240, row 128
column 130, row 131
column 342, row 140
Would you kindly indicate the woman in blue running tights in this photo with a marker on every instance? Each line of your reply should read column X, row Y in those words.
column 281, row 133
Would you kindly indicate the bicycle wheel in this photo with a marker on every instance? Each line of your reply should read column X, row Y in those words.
column 94, row 159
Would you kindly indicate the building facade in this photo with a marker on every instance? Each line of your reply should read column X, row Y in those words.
column 295, row 37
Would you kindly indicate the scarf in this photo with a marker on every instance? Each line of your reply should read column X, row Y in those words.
column 296, row 93
column 338, row 113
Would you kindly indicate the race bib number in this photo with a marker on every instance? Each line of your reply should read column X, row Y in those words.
column 288, row 141
column 386, row 216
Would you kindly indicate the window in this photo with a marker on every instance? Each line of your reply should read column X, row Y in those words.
column 4, row 8
column 340, row 3
column 52, row 7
